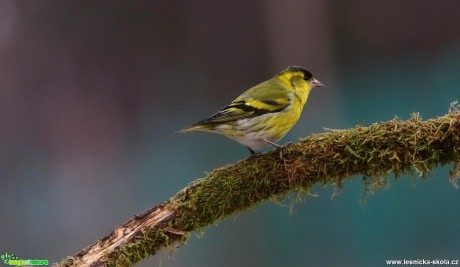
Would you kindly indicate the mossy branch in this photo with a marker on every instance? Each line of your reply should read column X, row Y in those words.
column 394, row 147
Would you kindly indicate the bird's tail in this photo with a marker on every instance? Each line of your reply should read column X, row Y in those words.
column 192, row 129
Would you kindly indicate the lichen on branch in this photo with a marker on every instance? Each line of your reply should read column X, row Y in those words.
column 395, row 147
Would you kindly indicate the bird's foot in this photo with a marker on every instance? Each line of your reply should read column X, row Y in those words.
column 280, row 148
column 253, row 153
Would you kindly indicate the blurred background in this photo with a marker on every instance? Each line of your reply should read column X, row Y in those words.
column 91, row 92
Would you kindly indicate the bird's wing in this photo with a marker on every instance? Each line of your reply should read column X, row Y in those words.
column 261, row 99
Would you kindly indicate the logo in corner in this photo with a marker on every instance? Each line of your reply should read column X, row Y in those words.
column 13, row 260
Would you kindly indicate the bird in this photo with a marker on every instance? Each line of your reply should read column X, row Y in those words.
column 265, row 113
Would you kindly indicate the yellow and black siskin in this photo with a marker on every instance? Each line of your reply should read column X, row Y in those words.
column 265, row 113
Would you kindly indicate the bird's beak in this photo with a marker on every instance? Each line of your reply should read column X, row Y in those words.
column 315, row 83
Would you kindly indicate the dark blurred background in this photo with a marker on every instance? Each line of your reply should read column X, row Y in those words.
column 91, row 92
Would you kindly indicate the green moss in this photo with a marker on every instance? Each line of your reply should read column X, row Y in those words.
column 394, row 147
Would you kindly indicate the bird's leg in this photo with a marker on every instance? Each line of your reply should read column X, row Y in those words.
column 253, row 153
column 279, row 147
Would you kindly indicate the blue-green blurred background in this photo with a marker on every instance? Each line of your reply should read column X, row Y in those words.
column 91, row 92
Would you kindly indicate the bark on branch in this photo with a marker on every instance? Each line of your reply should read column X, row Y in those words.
column 393, row 147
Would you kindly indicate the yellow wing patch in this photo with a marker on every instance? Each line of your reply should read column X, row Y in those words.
column 242, row 109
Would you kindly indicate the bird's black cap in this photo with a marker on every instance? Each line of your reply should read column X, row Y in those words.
column 307, row 73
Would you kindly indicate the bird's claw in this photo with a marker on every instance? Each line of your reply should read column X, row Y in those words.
column 281, row 148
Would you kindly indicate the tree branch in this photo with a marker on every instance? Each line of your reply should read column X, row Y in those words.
column 397, row 147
